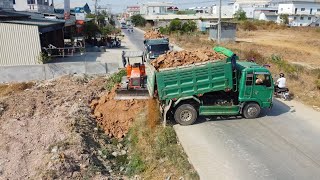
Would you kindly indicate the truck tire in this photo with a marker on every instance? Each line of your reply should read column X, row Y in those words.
column 185, row 114
column 251, row 110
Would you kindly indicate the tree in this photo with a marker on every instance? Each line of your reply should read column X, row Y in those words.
column 175, row 25
column 240, row 15
column 284, row 18
column 189, row 26
column 90, row 15
column 138, row 20
column 90, row 29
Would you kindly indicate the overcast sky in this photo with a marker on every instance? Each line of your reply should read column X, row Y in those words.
column 119, row 5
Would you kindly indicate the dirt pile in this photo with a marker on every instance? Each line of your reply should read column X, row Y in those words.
column 48, row 132
column 180, row 58
column 153, row 35
column 116, row 116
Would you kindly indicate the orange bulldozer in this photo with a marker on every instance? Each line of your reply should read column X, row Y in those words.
column 134, row 84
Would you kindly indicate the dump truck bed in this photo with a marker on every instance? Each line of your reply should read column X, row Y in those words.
column 184, row 81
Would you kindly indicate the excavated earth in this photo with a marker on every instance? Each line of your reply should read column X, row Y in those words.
column 48, row 131
column 153, row 35
column 180, row 58
column 116, row 116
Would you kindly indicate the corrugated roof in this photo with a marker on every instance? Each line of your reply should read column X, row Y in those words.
column 11, row 14
column 34, row 22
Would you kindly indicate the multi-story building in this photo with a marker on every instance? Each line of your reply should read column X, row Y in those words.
column 155, row 8
column 6, row 4
column 40, row 6
column 300, row 13
column 133, row 10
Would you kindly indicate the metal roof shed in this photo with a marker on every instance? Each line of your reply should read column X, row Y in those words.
column 21, row 40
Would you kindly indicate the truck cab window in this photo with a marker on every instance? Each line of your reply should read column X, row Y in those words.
column 263, row 79
column 249, row 79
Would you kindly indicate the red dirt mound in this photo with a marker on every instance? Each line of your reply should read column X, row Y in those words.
column 180, row 58
column 116, row 116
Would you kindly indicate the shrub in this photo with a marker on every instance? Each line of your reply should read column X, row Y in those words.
column 175, row 25
column 189, row 26
column 240, row 15
column 248, row 55
column 248, row 26
column 138, row 20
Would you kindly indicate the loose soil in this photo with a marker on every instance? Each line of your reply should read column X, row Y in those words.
column 116, row 116
column 185, row 57
column 153, row 35
column 48, row 132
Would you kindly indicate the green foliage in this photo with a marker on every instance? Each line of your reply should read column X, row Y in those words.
column 90, row 29
column 136, row 165
column 175, row 25
column 90, row 15
column 138, row 20
column 240, row 15
column 189, row 26
column 43, row 57
column 101, row 20
column 108, row 29
column 115, row 79
column 284, row 18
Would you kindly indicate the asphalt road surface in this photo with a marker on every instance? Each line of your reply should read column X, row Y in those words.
column 284, row 143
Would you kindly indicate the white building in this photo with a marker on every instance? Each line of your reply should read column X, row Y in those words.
column 249, row 6
column 40, row 6
column 155, row 8
column 301, row 13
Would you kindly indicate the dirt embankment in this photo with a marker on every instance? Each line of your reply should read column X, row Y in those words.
column 116, row 116
column 185, row 57
column 47, row 131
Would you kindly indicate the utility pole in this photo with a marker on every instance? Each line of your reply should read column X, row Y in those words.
column 219, row 23
column 95, row 10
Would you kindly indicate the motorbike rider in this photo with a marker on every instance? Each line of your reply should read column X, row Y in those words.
column 281, row 82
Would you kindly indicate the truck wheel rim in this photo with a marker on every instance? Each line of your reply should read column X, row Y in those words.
column 185, row 115
column 252, row 111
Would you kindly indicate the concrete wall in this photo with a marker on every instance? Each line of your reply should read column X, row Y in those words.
column 52, row 70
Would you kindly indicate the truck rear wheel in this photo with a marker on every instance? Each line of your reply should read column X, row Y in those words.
column 251, row 110
column 185, row 114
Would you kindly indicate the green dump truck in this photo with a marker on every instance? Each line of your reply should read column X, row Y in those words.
column 223, row 87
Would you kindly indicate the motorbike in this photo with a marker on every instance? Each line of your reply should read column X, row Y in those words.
column 282, row 93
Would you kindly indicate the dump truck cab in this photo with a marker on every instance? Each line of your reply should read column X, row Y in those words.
column 155, row 47
column 255, row 84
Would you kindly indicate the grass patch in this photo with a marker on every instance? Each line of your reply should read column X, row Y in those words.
column 115, row 79
column 152, row 148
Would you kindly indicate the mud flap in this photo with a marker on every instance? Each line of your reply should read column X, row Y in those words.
column 165, row 111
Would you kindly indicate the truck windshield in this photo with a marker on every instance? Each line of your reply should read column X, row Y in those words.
column 159, row 47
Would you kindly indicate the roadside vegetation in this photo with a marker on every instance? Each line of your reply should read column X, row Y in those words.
column 155, row 152
column 138, row 20
column 177, row 26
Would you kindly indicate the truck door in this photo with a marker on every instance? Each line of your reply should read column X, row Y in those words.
column 248, row 85
column 262, row 88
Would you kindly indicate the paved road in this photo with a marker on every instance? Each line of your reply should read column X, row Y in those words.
column 284, row 143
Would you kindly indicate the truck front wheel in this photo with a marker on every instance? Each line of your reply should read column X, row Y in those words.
column 251, row 110
column 185, row 114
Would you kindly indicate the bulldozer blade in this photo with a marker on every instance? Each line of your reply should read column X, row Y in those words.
column 125, row 94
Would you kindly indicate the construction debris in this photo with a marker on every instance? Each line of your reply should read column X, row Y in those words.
column 180, row 58
column 153, row 35
column 116, row 116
